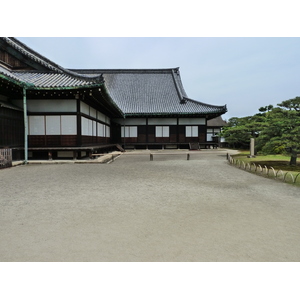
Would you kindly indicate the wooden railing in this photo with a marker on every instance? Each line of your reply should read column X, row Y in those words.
column 5, row 158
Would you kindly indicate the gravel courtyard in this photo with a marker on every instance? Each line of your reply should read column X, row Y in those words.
column 134, row 209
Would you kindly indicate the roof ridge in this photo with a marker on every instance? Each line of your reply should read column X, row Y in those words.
column 123, row 70
column 176, row 86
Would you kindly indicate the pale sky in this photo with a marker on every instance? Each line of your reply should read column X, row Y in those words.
column 243, row 72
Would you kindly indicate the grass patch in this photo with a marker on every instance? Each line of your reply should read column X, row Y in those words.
column 278, row 162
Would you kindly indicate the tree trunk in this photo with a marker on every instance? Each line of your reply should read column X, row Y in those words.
column 293, row 160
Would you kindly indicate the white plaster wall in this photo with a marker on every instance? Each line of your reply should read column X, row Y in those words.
column 192, row 121
column 53, row 125
column 101, row 116
column 93, row 112
column 48, row 105
column 68, row 125
column 162, row 121
column 84, row 108
column 84, row 126
column 94, row 128
column 162, row 131
column 36, row 125
column 101, row 130
column 107, row 131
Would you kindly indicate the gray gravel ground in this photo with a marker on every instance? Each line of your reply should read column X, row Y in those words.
column 134, row 209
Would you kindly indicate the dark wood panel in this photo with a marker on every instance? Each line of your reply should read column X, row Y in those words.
column 53, row 140
column 68, row 140
column 202, row 137
column 37, row 141
column 130, row 140
column 11, row 128
column 142, row 138
column 162, row 139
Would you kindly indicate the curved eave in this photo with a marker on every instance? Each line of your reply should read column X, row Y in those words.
column 207, row 115
column 71, row 87
column 16, row 81
column 109, row 98
column 31, row 86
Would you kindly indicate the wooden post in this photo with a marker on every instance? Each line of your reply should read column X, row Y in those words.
column 25, row 126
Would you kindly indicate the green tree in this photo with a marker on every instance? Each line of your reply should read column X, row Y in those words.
column 239, row 130
column 282, row 133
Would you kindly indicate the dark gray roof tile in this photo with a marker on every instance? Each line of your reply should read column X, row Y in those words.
column 158, row 91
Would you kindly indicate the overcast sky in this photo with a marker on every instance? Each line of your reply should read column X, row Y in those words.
column 244, row 73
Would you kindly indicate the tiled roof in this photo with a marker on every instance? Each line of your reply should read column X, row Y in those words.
column 56, row 77
column 158, row 91
column 9, row 74
column 33, row 79
column 31, row 54
column 134, row 91
column 217, row 122
column 53, row 80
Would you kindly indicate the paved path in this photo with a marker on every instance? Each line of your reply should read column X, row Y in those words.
column 134, row 209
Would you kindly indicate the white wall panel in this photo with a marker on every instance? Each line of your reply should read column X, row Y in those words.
column 192, row 121
column 133, row 131
column 158, row 131
column 93, row 112
column 101, row 130
column 209, row 137
column 68, row 125
column 191, row 131
column 51, row 105
column 101, row 116
column 162, row 121
column 129, row 131
column 188, row 131
column 36, row 125
column 90, row 124
column 84, row 126
column 94, row 128
column 84, row 108
column 53, row 125
column 162, row 131
column 107, row 131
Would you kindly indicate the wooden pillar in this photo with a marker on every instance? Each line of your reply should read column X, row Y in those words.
column 25, row 126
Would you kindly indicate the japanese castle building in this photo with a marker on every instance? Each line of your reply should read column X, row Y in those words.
column 69, row 112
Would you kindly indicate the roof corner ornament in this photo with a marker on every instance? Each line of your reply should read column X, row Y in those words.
column 183, row 101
